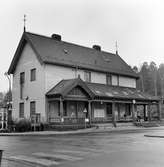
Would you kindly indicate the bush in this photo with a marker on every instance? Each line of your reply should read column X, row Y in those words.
column 23, row 125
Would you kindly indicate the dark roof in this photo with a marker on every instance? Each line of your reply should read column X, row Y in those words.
column 101, row 91
column 64, row 86
column 63, row 53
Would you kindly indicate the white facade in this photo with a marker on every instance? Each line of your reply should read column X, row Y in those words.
column 47, row 76
column 32, row 91
column 54, row 74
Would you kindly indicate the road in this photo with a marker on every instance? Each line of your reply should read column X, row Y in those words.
column 108, row 149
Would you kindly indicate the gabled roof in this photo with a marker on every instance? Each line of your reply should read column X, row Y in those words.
column 98, row 91
column 65, row 86
column 51, row 51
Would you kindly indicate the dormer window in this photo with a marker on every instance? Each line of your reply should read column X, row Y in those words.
column 33, row 74
column 87, row 76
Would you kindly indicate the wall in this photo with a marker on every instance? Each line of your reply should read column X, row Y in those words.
column 34, row 90
column 54, row 74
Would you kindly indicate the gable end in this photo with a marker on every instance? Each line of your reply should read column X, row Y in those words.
column 24, row 40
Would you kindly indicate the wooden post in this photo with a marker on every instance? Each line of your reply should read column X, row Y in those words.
column 2, row 120
column 113, row 114
column 133, row 112
column 144, row 108
column 89, row 112
column 159, row 110
column 149, row 112
column 61, row 109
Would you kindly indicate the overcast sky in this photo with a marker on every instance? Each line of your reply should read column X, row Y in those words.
column 137, row 25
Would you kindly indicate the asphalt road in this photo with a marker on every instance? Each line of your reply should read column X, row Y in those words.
column 109, row 149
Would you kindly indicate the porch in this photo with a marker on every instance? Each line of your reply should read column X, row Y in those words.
column 74, row 102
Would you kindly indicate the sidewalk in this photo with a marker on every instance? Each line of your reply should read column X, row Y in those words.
column 81, row 131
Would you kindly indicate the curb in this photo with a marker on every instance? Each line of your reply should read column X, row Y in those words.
column 155, row 136
column 91, row 130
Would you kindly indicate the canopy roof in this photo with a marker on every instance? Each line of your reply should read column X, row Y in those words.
column 97, row 91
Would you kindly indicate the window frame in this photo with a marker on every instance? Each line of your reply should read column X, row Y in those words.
column 109, row 109
column 86, row 75
column 21, row 112
column 108, row 75
column 22, row 75
column 22, row 82
column 33, row 74
column 31, row 109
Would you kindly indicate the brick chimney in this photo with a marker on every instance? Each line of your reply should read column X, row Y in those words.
column 96, row 47
column 56, row 37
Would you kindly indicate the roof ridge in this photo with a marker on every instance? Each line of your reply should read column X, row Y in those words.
column 44, row 36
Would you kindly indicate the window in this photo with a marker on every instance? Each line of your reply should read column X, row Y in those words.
column 109, row 109
column 108, row 79
column 32, row 108
column 118, row 80
column 22, row 78
column 87, row 76
column 33, row 74
column 22, row 81
column 65, row 109
column 21, row 110
column 128, row 111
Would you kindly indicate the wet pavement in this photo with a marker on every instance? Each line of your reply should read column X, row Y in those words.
column 106, row 149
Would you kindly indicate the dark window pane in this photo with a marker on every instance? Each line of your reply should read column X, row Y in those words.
column 22, row 78
column 65, row 109
column 128, row 111
column 21, row 110
column 109, row 109
column 32, row 108
column 108, row 79
column 33, row 74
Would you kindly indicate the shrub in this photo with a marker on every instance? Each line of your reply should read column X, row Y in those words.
column 23, row 125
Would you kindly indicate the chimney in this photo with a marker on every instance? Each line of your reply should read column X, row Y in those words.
column 56, row 37
column 97, row 47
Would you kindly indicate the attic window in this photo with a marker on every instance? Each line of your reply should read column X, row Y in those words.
column 65, row 51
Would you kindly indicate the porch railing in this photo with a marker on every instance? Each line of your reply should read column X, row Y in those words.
column 67, row 120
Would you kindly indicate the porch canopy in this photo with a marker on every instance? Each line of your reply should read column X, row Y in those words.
column 96, row 91
column 78, row 90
